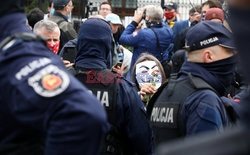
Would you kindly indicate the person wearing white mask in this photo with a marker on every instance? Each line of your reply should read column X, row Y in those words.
column 148, row 75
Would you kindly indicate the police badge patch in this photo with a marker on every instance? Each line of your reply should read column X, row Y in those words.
column 50, row 81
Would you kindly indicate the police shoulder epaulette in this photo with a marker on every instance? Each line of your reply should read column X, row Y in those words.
column 24, row 36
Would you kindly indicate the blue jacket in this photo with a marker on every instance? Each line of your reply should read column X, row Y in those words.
column 145, row 41
column 204, row 109
column 179, row 27
column 40, row 100
column 131, row 120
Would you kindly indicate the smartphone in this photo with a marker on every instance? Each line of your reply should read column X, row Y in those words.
column 70, row 53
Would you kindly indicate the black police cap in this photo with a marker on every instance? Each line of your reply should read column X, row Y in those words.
column 208, row 33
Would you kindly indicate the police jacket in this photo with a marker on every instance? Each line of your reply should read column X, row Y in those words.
column 130, row 117
column 145, row 41
column 201, row 111
column 43, row 109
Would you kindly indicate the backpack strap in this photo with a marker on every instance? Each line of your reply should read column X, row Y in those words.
column 60, row 21
column 158, row 43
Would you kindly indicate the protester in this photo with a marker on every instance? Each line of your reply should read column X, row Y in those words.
column 209, row 4
column 148, row 75
column 115, row 22
column 171, row 13
column 146, row 40
column 181, row 28
column 190, row 103
column 34, row 16
column 51, row 10
column 61, row 16
column 215, row 14
column 130, row 132
column 44, row 110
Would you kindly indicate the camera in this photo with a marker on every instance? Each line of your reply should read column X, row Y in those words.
column 144, row 15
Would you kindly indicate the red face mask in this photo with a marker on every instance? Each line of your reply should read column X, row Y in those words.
column 53, row 47
column 169, row 15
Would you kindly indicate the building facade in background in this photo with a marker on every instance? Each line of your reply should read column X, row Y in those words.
column 126, row 8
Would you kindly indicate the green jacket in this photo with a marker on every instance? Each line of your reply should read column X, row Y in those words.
column 64, row 25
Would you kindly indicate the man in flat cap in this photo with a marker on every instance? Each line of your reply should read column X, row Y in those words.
column 190, row 103
column 61, row 16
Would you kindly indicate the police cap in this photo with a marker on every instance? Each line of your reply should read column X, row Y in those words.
column 208, row 33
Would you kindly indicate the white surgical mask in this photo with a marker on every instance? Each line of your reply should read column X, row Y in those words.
column 148, row 72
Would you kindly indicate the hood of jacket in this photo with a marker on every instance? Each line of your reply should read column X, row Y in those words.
column 94, row 44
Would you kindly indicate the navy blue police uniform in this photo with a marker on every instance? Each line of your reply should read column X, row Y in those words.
column 130, row 131
column 43, row 108
column 190, row 103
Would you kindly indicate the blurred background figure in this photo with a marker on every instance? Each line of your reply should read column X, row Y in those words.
column 209, row 4
column 105, row 9
column 171, row 13
column 215, row 14
column 51, row 10
column 61, row 17
column 115, row 22
column 181, row 28
column 34, row 16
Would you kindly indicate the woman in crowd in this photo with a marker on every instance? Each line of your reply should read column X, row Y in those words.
column 148, row 75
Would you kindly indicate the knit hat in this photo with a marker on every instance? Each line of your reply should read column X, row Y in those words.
column 60, row 4
column 214, row 13
column 11, row 6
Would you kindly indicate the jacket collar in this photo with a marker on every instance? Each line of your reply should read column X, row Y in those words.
column 61, row 15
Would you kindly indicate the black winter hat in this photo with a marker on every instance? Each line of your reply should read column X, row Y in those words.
column 60, row 4
column 11, row 6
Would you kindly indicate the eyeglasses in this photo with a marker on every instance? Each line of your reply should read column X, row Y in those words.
column 103, row 9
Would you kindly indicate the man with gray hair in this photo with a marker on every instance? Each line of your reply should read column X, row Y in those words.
column 155, row 39
column 51, row 32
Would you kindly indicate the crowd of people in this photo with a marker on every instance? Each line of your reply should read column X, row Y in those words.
column 67, row 91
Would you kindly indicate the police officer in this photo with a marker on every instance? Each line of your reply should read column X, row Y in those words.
column 130, row 132
column 43, row 109
column 190, row 103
